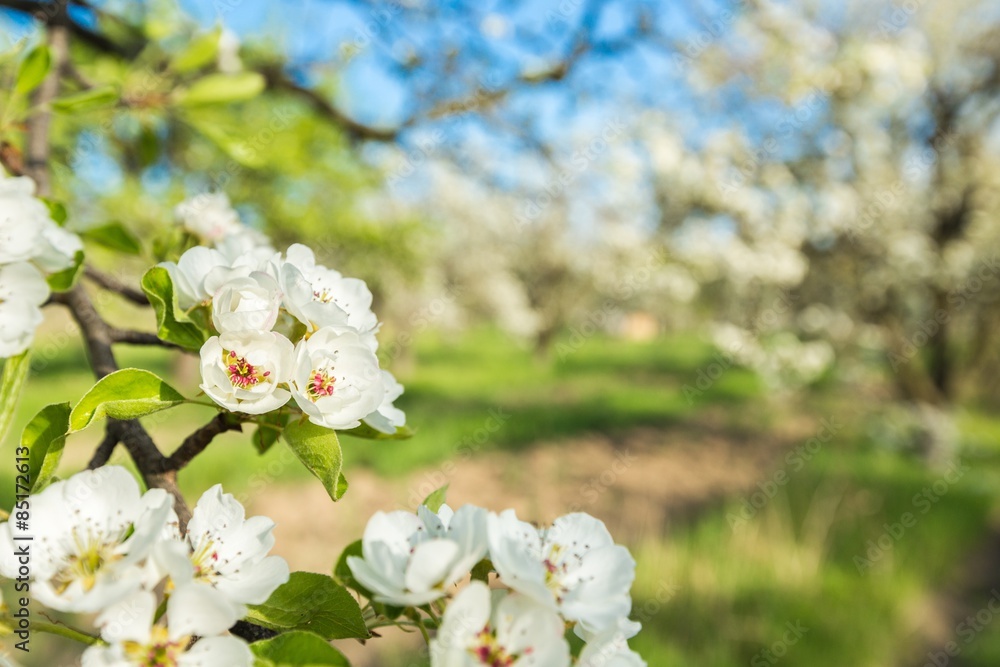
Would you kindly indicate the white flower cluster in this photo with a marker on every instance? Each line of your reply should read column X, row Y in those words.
column 32, row 246
column 571, row 572
column 103, row 547
column 289, row 328
column 782, row 360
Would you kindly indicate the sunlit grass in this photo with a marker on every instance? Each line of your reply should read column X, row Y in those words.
column 707, row 594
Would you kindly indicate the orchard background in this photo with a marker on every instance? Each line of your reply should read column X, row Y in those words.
column 721, row 274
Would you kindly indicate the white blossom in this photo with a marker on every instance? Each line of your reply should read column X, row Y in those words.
column 573, row 567
column 241, row 371
column 610, row 647
column 336, row 380
column 321, row 297
column 136, row 639
column 225, row 551
column 411, row 559
column 22, row 220
column 57, row 248
column 190, row 273
column 209, row 216
column 250, row 248
column 22, row 290
column 480, row 628
column 228, row 60
column 91, row 533
column 387, row 418
column 248, row 303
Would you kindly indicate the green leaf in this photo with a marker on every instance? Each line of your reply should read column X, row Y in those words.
column 319, row 450
column 481, row 572
column 313, row 602
column 15, row 373
column 222, row 89
column 65, row 279
column 126, row 394
column 159, row 288
column 114, row 236
column 436, row 498
column 45, row 436
column 297, row 649
column 269, row 427
column 232, row 141
column 88, row 100
column 57, row 210
column 199, row 52
column 147, row 146
column 343, row 575
column 33, row 70
column 368, row 433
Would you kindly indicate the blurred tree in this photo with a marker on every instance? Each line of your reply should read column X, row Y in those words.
column 155, row 108
column 862, row 180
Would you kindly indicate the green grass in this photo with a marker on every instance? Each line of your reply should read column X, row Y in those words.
column 461, row 387
column 731, row 590
column 707, row 594
column 480, row 391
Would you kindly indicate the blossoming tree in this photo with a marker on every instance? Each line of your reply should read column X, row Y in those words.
column 864, row 204
column 287, row 346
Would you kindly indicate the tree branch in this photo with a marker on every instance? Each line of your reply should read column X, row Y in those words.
column 112, row 284
column 103, row 453
column 130, row 337
column 38, row 146
column 54, row 13
column 196, row 443
column 97, row 336
column 276, row 80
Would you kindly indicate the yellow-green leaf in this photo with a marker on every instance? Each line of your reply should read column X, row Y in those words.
column 126, row 394
column 319, row 450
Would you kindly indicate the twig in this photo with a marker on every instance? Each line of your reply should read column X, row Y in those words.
column 38, row 147
column 97, row 336
column 196, row 443
column 103, row 453
column 276, row 80
column 112, row 284
column 130, row 337
column 65, row 631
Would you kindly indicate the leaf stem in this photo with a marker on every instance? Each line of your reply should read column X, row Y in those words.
column 65, row 631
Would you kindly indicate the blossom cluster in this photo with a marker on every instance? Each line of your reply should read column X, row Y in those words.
column 102, row 546
column 32, row 246
column 569, row 573
column 288, row 327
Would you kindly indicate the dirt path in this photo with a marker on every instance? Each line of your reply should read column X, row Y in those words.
column 639, row 483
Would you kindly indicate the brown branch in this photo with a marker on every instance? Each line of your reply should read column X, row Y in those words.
column 130, row 337
column 11, row 159
column 196, row 443
column 97, row 336
column 103, row 453
column 38, row 146
column 276, row 80
column 112, row 284
column 96, row 332
column 54, row 13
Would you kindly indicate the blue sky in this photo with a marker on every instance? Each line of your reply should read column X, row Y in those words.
column 514, row 37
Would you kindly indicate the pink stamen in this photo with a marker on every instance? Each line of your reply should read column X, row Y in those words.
column 322, row 384
column 242, row 373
